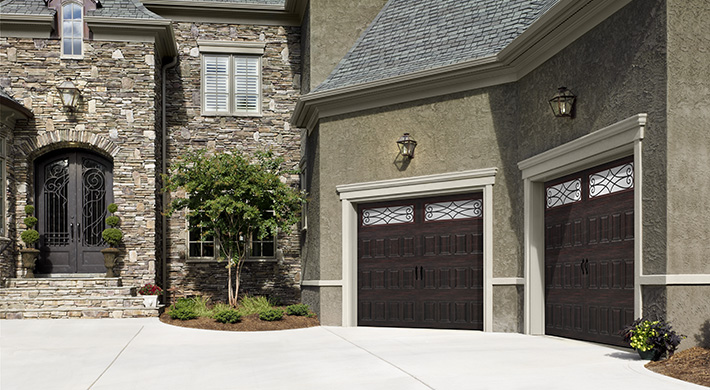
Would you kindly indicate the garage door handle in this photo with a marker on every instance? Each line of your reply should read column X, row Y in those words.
column 584, row 266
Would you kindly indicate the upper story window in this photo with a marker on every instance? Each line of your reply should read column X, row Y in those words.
column 231, row 78
column 72, row 30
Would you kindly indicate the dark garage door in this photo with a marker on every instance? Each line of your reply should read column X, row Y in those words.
column 589, row 253
column 420, row 263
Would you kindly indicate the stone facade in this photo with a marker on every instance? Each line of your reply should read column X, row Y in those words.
column 116, row 119
column 189, row 129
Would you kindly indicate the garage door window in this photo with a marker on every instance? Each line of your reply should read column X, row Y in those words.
column 611, row 180
column 388, row 215
column 457, row 209
column 564, row 193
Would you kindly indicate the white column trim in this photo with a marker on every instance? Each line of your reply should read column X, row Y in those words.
column 414, row 187
column 322, row 283
column 514, row 281
column 615, row 141
column 674, row 279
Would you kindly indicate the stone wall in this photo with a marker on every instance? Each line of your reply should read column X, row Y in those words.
column 188, row 129
column 116, row 118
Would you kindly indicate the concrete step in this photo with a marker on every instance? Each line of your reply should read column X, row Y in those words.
column 80, row 282
column 54, row 292
column 69, row 302
column 79, row 312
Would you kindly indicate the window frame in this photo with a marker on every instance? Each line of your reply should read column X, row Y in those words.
column 232, row 51
column 62, row 19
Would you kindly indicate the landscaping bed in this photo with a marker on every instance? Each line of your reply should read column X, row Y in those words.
column 252, row 314
column 691, row 365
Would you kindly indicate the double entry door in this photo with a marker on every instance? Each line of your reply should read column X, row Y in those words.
column 73, row 189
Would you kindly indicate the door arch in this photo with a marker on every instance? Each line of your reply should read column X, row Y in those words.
column 72, row 191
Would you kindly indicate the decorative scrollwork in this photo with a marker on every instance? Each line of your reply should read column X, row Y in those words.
column 388, row 215
column 564, row 193
column 54, row 189
column 611, row 180
column 457, row 209
column 94, row 201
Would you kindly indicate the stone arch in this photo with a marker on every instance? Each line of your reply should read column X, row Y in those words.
column 49, row 141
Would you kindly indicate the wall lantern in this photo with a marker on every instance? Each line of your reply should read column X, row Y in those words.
column 69, row 94
column 563, row 102
column 406, row 145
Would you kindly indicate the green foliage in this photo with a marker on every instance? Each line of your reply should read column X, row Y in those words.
column 182, row 313
column 112, row 208
column 29, row 237
column 228, row 316
column 646, row 335
column 300, row 309
column 112, row 236
column 29, row 209
column 271, row 314
column 228, row 196
column 113, row 221
column 30, row 222
column 250, row 305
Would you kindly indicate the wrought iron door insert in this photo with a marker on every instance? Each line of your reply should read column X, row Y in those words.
column 73, row 190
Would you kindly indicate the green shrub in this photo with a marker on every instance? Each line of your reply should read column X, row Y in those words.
column 112, row 221
column 300, row 309
column 29, row 237
column 228, row 316
column 112, row 208
column 29, row 209
column 183, row 313
column 271, row 315
column 30, row 222
column 251, row 305
column 112, row 236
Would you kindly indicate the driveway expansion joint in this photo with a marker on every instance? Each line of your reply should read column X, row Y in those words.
column 116, row 358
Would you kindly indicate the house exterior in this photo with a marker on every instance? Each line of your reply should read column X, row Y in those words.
column 507, row 218
column 156, row 79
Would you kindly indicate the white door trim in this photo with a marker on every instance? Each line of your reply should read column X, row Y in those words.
column 615, row 141
column 479, row 180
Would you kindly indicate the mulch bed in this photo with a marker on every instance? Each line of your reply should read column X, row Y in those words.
column 691, row 365
column 247, row 324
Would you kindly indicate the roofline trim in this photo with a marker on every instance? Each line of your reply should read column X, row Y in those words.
column 556, row 29
column 290, row 14
column 16, row 106
column 160, row 30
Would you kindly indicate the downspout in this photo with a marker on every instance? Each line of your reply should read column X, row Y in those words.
column 164, row 171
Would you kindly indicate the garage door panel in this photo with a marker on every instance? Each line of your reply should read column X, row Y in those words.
column 589, row 266
column 422, row 273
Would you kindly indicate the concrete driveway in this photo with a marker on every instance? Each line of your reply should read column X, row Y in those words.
column 147, row 354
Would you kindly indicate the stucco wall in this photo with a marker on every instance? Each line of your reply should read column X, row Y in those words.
column 613, row 77
column 688, row 136
column 189, row 129
column 116, row 115
column 334, row 27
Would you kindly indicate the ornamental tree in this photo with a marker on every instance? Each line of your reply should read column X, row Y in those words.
column 233, row 198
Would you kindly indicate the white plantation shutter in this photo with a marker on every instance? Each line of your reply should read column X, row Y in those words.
column 246, row 84
column 216, row 83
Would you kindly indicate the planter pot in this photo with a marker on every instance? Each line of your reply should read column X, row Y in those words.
column 652, row 354
column 150, row 300
column 110, row 255
column 29, row 257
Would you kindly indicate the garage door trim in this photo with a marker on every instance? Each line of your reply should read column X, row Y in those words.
column 479, row 180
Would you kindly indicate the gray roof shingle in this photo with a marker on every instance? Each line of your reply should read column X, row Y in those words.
column 257, row 2
column 415, row 35
column 25, row 7
column 130, row 9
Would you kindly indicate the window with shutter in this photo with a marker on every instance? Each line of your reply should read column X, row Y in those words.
column 231, row 84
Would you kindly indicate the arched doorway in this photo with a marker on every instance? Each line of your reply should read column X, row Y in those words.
column 73, row 188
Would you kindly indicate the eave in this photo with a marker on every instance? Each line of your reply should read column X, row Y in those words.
column 159, row 31
column 11, row 111
column 26, row 26
column 289, row 14
column 547, row 36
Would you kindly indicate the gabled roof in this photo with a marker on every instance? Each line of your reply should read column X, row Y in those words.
column 260, row 2
column 414, row 35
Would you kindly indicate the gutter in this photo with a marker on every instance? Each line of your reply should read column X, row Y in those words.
column 164, row 171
